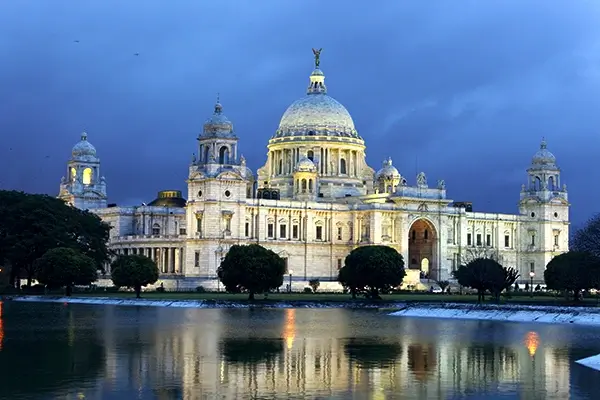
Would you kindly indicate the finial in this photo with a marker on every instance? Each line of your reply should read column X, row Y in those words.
column 84, row 135
column 543, row 145
column 317, row 54
column 218, row 106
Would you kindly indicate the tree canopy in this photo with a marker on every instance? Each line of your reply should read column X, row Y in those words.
column 32, row 224
column 251, row 268
column 486, row 274
column 371, row 270
column 573, row 272
column 65, row 267
column 133, row 271
column 587, row 239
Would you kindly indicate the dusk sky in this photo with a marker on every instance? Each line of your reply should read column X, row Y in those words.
column 463, row 90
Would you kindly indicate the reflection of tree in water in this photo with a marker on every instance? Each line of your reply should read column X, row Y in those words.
column 57, row 351
column 422, row 360
column 250, row 350
column 369, row 353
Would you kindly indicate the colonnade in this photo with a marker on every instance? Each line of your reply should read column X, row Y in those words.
column 331, row 161
column 168, row 259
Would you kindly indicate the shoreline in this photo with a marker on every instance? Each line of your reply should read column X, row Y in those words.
column 579, row 315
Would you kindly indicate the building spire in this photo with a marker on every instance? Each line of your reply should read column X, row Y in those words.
column 218, row 106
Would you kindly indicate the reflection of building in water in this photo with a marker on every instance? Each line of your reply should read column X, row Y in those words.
column 228, row 354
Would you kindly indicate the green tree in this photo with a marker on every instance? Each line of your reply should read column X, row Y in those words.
column 65, row 267
column 371, row 270
column 482, row 274
column 32, row 224
column 133, row 271
column 587, row 239
column 314, row 284
column 573, row 272
column 251, row 268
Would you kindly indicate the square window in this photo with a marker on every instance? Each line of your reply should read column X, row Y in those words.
column 556, row 240
column 469, row 239
column 339, row 233
column 533, row 240
column 479, row 239
column 488, row 240
column 295, row 231
column 319, row 233
column 247, row 229
column 282, row 231
column 197, row 259
column 506, row 240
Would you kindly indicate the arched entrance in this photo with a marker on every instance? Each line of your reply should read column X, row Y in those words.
column 422, row 248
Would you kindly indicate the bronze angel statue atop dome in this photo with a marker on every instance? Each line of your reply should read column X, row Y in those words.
column 317, row 54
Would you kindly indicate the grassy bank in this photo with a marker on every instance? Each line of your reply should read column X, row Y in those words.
column 335, row 297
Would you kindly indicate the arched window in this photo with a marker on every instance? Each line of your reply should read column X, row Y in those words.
column 156, row 229
column 224, row 155
column 551, row 185
column 303, row 185
column 206, row 152
column 343, row 166
column 310, row 185
column 73, row 174
column 280, row 167
column 310, row 155
column 87, row 176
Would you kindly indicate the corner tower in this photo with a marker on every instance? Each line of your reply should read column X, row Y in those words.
column 319, row 128
column 218, row 182
column 83, row 187
column 544, row 209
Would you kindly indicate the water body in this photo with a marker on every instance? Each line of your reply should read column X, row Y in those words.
column 75, row 351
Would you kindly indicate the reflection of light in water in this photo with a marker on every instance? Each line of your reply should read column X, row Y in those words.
column 1, row 327
column 532, row 341
column 289, row 329
column 71, row 328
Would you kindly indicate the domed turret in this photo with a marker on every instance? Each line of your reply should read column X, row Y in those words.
column 388, row 177
column 218, row 124
column 84, row 150
column 305, row 165
column 543, row 157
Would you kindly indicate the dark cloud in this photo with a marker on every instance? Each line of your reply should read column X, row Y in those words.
column 464, row 92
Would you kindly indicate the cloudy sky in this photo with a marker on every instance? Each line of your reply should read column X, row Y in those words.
column 463, row 90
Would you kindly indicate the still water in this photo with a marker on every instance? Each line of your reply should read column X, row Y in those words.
column 54, row 351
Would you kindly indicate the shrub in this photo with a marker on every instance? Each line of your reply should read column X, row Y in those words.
column 308, row 290
column 200, row 289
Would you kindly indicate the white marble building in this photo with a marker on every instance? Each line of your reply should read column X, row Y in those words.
column 315, row 200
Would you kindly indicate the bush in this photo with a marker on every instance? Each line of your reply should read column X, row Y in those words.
column 308, row 290
column 160, row 289
column 200, row 289
column 111, row 289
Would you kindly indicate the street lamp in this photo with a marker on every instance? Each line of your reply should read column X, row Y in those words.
column 290, row 272
column 531, row 275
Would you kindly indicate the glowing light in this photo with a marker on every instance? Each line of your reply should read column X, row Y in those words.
column 289, row 329
column 532, row 341
column 87, row 176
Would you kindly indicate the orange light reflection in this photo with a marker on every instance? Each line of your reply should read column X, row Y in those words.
column 532, row 341
column 289, row 329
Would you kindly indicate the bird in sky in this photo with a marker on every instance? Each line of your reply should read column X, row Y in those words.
column 136, row 54
column 76, row 41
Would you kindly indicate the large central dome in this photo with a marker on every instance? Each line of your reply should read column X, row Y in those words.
column 316, row 114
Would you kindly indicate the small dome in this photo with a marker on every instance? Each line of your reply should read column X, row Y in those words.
column 83, row 149
column 543, row 157
column 306, row 165
column 218, row 124
column 168, row 198
column 388, row 171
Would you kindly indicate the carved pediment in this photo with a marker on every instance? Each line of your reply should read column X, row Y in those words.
column 230, row 175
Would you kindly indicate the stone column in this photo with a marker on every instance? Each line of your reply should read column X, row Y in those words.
column 177, row 260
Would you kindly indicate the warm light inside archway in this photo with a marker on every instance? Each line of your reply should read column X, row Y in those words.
column 87, row 176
